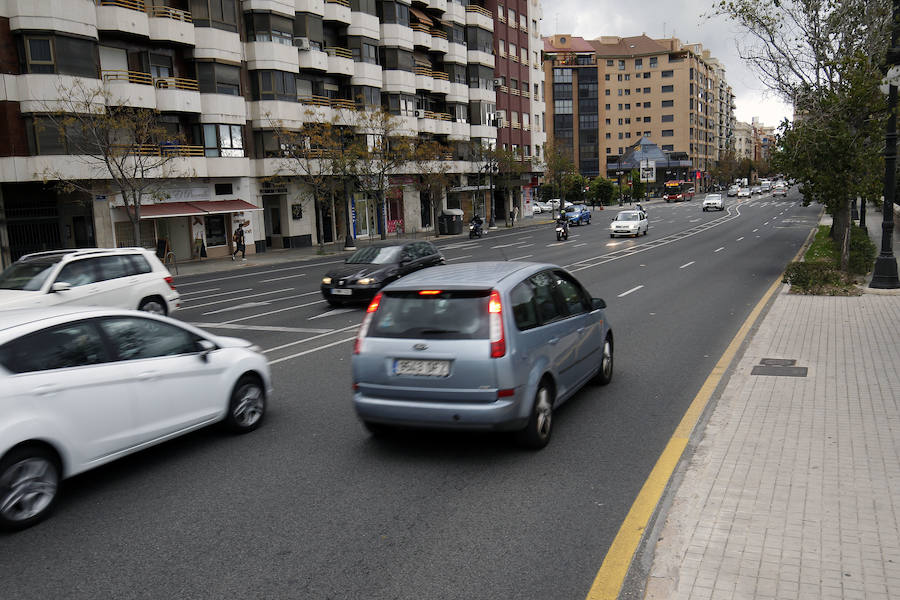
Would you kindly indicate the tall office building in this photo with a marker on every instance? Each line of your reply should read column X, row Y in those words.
column 605, row 95
column 220, row 73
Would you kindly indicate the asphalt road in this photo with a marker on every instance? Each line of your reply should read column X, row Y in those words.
column 310, row 506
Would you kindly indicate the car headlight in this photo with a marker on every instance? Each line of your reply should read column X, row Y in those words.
column 367, row 281
column 326, row 280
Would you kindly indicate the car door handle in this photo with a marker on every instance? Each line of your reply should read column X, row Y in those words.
column 46, row 390
column 580, row 330
column 553, row 341
column 147, row 375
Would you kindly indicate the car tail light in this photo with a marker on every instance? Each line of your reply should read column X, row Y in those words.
column 364, row 328
column 170, row 281
column 495, row 310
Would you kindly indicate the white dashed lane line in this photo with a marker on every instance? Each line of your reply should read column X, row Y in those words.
column 581, row 244
column 634, row 289
column 219, row 295
column 718, row 249
column 285, row 277
column 201, row 291
column 687, row 264
column 242, row 298
column 739, row 239
column 754, row 231
column 522, row 257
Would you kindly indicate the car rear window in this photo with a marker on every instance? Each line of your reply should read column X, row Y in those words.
column 457, row 315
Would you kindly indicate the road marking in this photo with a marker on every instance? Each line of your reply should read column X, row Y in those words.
column 244, row 298
column 610, row 244
column 261, row 328
column 526, row 245
column 634, row 289
column 309, row 339
column 739, row 239
column 238, row 307
column 336, row 311
column 687, row 264
column 693, row 220
column 718, row 249
column 272, row 312
column 754, row 231
column 201, row 291
column 581, row 244
column 306, row 266
column 219, row 295
column 459, row 257
column 611, row 575
column 556, row 244
column 505, row 245
column 285, row 277
column 522, row 257
column 766, row 223
column 311, row 350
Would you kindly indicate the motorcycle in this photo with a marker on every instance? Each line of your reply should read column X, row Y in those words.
column 475, row 230
column 562, row 231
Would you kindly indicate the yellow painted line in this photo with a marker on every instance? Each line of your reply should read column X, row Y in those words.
column 608, row 582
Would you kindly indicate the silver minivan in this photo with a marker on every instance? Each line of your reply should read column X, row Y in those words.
column 483, row 345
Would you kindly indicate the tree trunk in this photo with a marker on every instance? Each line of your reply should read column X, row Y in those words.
column 434, row 211
column 319, row 224
column 382, row 209
column 841, row 233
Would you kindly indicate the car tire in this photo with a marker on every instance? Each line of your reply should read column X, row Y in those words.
column 153, row 305
column 29, row 486
column 605, row 372
column 378, row 430
column 247, row 406
column 537, row 432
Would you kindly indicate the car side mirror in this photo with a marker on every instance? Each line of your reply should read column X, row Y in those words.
column 598, row 303
column 206, row 347
column 61, row 286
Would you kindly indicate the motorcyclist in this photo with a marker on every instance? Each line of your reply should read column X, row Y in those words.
column 563, row 221
column 476, row 222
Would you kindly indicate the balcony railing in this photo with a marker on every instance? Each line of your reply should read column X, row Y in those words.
column 178, row 83
column 526, row 127
column 341, row 2
column 440, row 75
column 513, row 58
column 526, row 94
column 343, row 103
column 524, row 28
column 502, row 88
column 129, row 76
column 171, row 13
column 439, row 34
column 423, row 71
column 129, row 4
column 512, row 25
column 421, row 28
column 501, row 17
column 516, row 126
column 481, row 11
column 339, row 52
column 443, row 116
column 327, row 102
column 164, row 149
column 514, row 92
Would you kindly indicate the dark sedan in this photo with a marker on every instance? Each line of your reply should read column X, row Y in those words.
column 369, row 269
column 578, row 214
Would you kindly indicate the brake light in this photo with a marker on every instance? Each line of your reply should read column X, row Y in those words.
column 495, row 310
column 429, row 292
column 170, row 281
column 364, row 328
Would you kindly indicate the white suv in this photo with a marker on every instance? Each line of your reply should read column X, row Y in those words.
column 713, row 201
column 113, row 277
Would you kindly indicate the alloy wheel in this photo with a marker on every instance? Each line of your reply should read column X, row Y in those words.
column 28, row 487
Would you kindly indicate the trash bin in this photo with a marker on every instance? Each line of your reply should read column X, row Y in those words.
column 453, row 217
column 444, row 222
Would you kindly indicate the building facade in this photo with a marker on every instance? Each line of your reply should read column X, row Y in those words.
column 605, row 95
column 222, row 74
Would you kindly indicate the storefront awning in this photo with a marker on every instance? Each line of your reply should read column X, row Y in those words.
column 422, row 17
column 198, row 208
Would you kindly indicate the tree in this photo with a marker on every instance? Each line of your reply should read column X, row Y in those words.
column 638, row 187
column 558, row 166
column 510, row 168
column 827, row 59
column 385, row 150
column 430, row 162
column 602, row 190
column 130, row 146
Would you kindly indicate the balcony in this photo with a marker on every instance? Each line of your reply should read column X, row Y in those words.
column 222, row 108
column 171, row 25
column 438, row 5
column 458, row 92
column 124, row 16
column 366, row 74
column 501, row 16
column 502, row 88
column 456, row 53
column 441, row 82
column 338, row 10
column 477, row 16
column 513, row 58
column 130, row 88
column 421, row 35
column 402, row 82
column 424, row 80
column 526, row 94
column 79, row 18
column 393, row 34
column 459, row 131
column 177, row 94
column 340, row 61
column 455, row 13
column 363, row 24
column 515, row 92
column 314, row 60
column 216, row 44
column 439, row 41
column 271, row 55
column 480, row 58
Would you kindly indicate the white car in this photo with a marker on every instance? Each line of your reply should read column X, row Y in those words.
column 112, row 277
column 744, row 192
column 733, row 190
column 713, row 201
column 82, row 387
column 779, row 190
column 629, row 222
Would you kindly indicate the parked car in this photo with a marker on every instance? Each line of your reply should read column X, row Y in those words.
column 113, row 277
column 371, row 268
column 713, row 201
column 733, row 190
column 578, row 214
column 744, row 192
column 84, row 386
column 779, row 190
column 484, row 345
column 542, row 208
column 629, row 222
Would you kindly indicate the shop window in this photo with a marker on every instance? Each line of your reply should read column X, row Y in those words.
column 216, row 234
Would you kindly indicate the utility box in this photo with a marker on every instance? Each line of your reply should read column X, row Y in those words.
column 450, row 222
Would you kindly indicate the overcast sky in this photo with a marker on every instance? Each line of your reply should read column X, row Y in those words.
column 683, row 19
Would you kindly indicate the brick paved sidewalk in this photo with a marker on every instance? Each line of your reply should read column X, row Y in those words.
column 794, row 490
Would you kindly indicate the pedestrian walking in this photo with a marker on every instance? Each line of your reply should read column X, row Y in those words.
column 515, row 214
column 238, row 239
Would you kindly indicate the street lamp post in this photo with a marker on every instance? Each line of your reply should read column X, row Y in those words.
column 884, row 275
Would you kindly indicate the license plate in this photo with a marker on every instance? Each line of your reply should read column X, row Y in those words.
column 424, row 368
column 341, row 292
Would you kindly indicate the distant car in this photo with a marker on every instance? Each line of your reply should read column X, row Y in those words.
column 493, row 346
column 713, row 201
column 371, row 268
column 756, row 189
column 555, row 202
column 578, row 214
column 733, row 190
column 779, row 190
column 744, row 192
column 536, row 209
column 629, row 222
column 111, row 277
column 85, row 386
column 542, row 208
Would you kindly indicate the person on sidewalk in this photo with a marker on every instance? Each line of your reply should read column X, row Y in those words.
column 238, row 239
column 515, row 214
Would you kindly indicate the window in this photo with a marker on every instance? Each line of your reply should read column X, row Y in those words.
column 573, row 298
column 216, row 78
column 513, row 49
column 58, row 54
column 619, row 92
column 216, row 234
column 628, row 120
column 606, row 92
column 653, row 62
column 224, row 189
column 621, row 65
column 501, row 47
column 135, row 338
column 667, row 88
column 646, row 90
column 394, row 12
column 619, row 77
column 668, row 73
column 64, row 346
column 481, row 77
column 310, row 27
column 562, row 75
column 39, row 55
column 480, row 40
column 545, row 302
column 627, row 76
column 627, row 106
column 269, row 27
column 606, row 77
column 219, row 14
column 457, row 34
column 524, row 307
column 627, row 91
column 226, row 141
column 647, row 75
column 609, row 62
column 646, row 119
column 667, row 118
column 627, row 134
column 606, row 106
column 562, row 107
column 273, row 85
column 366, row 96
column 668, row 148
column 396, row 59
column 638, row 63
column 646, row 105
column 365, row 6
column 79, row 272
column 668, row 132
column 363, row 49
column 608, row 135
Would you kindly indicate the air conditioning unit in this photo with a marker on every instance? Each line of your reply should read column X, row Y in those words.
column 498, row 81
column 302, row 43
column 420, row 113
column 498, row 121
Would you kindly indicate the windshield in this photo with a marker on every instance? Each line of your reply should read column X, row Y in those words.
column 628, row 217
column 446, row 315
column 374, row 255
column 28, row 276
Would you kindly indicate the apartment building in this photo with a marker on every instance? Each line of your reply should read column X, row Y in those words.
column 744, row 141
column 221, row 73
column 607, row 94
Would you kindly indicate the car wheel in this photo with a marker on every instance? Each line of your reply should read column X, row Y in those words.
column 377, row 429
column 605, row 372
column 537, row 432
column 247, row 405
column 29, row 485
column 154, row 305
